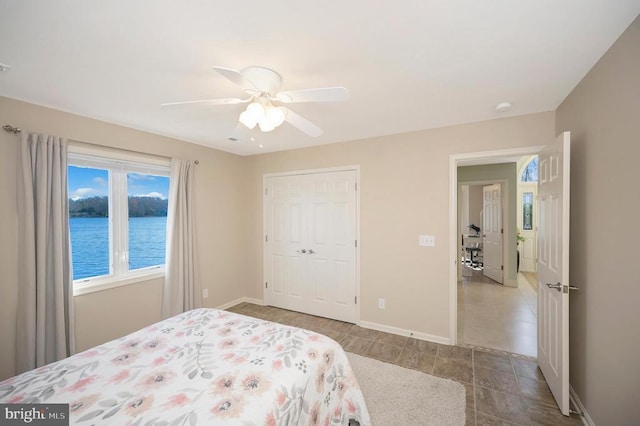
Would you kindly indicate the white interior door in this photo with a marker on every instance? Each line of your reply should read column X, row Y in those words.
column 492, row 231
column 331, row 245
column 310, row 243
column 553, row 268
column 285, row 238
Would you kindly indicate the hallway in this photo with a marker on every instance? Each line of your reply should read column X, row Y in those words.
column 497, row 317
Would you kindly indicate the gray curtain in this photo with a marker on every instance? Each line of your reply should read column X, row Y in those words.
column 45, row 320
column 181, row 290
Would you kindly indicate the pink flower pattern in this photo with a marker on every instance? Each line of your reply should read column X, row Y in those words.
column 178, row 400
column 204, row 366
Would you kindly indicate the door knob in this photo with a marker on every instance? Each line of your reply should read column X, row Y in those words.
column 556, row 286
column 563, row 288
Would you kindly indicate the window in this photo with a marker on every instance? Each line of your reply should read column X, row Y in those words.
column 530, row 173
column 527, row 211
column 89, row 221
column 117, row 219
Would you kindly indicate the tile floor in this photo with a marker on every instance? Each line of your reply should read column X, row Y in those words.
column 493, row 316
column 500, row 389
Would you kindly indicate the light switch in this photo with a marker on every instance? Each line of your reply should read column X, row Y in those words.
column 426, row 240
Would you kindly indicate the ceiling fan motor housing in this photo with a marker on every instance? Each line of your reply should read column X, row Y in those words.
column 265, row 80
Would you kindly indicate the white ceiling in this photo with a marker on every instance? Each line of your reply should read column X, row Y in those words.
column 409, row 65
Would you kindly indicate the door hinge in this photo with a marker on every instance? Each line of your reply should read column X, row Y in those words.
column 266, row 191
column 356, row 300
column 356, row 186
column 356, row 243
column 266, row 284
column 501, row 231
column 266, row 238
column 502, row 267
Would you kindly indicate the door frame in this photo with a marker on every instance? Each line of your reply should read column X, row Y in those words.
column 469, row 159
column 355, row 168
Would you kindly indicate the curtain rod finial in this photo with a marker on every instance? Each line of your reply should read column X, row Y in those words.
column 11, row 129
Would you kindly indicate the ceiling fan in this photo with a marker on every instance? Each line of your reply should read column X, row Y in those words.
column 266, row 102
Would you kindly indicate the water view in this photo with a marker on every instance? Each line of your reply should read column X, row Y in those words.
column 90, row 244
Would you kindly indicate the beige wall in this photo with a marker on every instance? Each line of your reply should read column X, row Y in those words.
column 475, row 207
column 221, row 189
column 603, row 114
column 404, row 192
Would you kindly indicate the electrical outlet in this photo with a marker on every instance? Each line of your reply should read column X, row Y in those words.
column 205, row 293
column 381, row 303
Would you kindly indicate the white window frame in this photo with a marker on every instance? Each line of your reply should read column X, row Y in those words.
column 118, row 164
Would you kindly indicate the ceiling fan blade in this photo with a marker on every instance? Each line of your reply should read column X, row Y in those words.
column 302, row 124
column 222, row 101
column 323, row 94
column 235, row 77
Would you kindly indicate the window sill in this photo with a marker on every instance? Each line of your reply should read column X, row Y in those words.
column 82, row 287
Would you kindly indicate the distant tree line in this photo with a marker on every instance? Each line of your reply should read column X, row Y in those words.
column 99, row 207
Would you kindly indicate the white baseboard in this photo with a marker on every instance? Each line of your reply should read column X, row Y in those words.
column 404, row 332
column 241, row 300
column 573, row 396
column 364, row 324
column 511, row 283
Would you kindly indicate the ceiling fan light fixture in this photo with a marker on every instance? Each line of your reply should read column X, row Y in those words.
column 275, row 115
column 254, row 114
column 247, row 120
column 266, row 125
column 266, row 116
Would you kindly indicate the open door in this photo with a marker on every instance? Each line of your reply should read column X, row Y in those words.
column 553, row 268
column 492, row 232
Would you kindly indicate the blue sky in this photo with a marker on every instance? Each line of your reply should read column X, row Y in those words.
column 87, row 182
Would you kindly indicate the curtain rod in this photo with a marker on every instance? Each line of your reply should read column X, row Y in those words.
column 16, row 130
column 11, row 129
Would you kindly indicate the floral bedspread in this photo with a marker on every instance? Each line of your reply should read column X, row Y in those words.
column 204, row 366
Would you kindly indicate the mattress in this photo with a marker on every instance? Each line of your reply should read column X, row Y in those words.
column 205, row 366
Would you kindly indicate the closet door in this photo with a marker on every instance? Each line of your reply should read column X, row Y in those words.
column 285, row 240
column 310, row 243
column 331, row 244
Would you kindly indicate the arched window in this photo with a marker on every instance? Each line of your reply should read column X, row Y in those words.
column 530, row 173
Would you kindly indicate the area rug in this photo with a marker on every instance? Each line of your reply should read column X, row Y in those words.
column 400, row 396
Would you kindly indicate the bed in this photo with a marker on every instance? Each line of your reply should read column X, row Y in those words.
column 205, row 366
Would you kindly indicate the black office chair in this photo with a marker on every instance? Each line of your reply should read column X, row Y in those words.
column 473, row 251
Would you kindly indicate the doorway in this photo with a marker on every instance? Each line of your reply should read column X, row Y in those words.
column 483, row 312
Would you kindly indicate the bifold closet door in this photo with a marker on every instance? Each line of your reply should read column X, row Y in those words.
column 310, row 243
